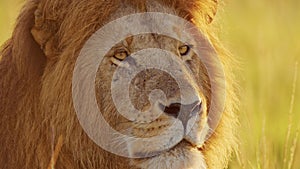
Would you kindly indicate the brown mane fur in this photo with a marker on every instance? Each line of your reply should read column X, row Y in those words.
column 36, row 75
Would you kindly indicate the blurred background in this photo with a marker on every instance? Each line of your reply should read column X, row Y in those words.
column 264, row 36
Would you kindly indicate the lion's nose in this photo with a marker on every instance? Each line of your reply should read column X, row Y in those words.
column 182, row 111
column 173, row 109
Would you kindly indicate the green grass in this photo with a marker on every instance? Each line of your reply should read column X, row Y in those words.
column 264, row 36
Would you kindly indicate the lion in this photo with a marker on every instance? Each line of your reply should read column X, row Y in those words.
column 36, row 108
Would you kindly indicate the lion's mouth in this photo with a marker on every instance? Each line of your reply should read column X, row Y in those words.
column 188, row 142
column 181, row 145
column 184, row 144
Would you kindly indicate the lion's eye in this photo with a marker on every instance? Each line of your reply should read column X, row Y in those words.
column 184, row 50
column 121, row 55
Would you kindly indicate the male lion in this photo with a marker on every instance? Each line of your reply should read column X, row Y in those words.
column 36, row 105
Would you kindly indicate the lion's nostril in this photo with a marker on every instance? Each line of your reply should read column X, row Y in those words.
column 172, row 109
column 187, row 110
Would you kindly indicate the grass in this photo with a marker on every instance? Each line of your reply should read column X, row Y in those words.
column 264, row 35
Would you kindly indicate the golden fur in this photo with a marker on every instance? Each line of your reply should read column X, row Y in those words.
column 36, row 84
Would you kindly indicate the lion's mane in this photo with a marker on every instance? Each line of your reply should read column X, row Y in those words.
column 36, row 92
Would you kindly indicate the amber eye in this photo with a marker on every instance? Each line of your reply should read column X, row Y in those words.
column 184, row 50
column 121, row 55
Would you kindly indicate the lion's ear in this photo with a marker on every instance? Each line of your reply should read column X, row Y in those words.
column 212, row 10
column 205, row 9
column 43, row 31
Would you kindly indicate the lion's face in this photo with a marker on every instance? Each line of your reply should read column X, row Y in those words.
column 174, row 117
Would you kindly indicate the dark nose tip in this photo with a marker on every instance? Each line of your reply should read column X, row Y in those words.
column 173, row 109
column 187, row 110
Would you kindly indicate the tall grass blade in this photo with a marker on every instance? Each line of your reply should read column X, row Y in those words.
column 290, row 122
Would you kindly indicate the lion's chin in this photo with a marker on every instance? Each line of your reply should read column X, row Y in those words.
column 181, row 156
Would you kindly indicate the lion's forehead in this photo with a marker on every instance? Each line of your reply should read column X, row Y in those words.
column 126, row 8
column 153, row 41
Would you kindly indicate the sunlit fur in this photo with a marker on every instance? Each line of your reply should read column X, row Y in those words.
column 36, row 82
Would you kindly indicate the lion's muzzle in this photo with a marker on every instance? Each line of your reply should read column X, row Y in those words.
column 184, row 112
